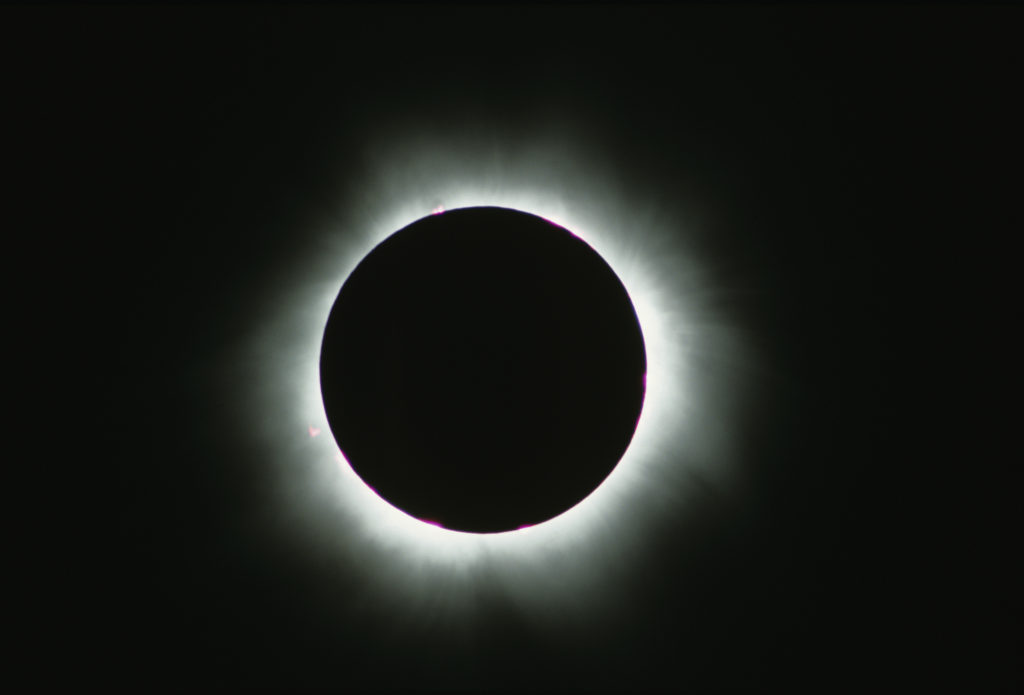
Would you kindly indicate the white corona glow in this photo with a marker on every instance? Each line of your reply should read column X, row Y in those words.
column 578, row 559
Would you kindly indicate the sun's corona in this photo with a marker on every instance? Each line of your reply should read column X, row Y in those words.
column 403, row 558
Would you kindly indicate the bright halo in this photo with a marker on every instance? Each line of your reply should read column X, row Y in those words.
column 681, row 445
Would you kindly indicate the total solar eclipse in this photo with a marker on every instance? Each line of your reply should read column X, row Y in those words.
column 483, row 369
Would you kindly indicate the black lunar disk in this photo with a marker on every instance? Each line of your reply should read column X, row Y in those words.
column 483, row 369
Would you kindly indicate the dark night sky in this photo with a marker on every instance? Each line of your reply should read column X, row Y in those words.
column 859, row 155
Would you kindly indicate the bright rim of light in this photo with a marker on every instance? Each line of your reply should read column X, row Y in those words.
column 682, row 436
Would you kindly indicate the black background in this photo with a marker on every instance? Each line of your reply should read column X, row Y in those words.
column 866, row 156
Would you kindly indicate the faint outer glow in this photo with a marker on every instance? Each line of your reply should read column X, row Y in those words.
column 580, row 559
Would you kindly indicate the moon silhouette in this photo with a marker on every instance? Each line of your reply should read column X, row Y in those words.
column 483, row 369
